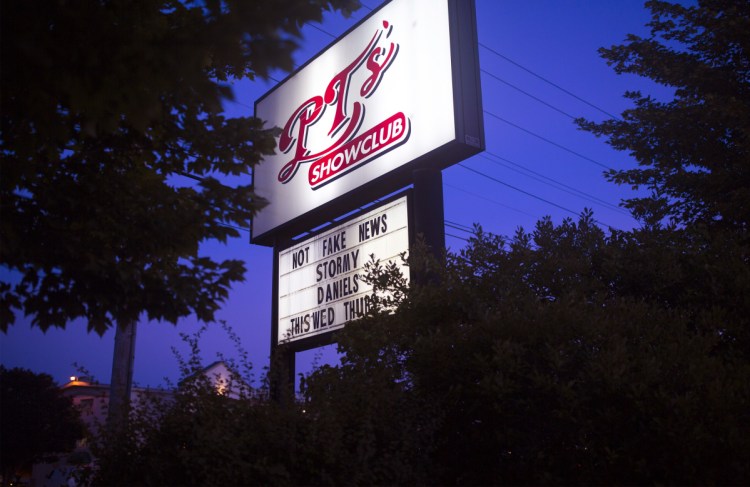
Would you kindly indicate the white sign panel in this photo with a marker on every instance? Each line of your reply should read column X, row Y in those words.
column 320, row 279
column 379, row 98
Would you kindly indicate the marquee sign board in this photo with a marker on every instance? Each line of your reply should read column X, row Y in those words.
column 398, row 92
column 320, row 278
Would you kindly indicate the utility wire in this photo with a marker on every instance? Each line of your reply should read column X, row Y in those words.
column 466, row 227
column 489, row 200
column 515, row 188
column 525, row 192
column 559, row 146
column 456, row 236
column 457, row 227
column 513, row 166
column 243, row 229
column 527, row 94
column 320, row 29
column 506, row 58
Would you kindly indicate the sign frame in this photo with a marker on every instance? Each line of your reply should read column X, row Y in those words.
column 328, row 337
column 468, row 124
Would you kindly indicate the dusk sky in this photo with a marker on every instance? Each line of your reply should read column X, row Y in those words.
column 539, row 70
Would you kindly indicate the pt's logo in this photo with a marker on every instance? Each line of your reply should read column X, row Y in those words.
column 346, row 147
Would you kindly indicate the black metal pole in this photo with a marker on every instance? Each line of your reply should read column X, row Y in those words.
column 281, row 370
column 429, row 217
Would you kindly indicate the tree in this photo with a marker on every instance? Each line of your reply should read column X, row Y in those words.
column 202, row 437
column 527, row 365
column 108, row 110
column 694, row 150
column 694, row 156
column 36, row 420
column 521, row 364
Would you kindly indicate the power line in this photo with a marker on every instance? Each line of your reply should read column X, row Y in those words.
column 516, row 188
column 527, row 94
column 320, row 29
column 456, row 236
column 458, row 227
column 559, row 146
column 548, row 81
column 466, row 227
column 551, row 182
column 524, row 192
column 243, row 229
column 477, row 195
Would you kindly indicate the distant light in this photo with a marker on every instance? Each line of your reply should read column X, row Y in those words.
column 73, row 378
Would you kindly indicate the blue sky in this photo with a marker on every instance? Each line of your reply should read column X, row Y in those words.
column 540, row 68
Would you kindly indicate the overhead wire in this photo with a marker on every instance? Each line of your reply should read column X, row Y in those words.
column 489, row 200
column 526, row 93
column 499, row 181
column 461, row 164
column 569, row 93
column 541, row 137
column 456, row 236
column 535, row 175
column 244, row 229
column 458, row 226
column 551, row 181
column 320, row 29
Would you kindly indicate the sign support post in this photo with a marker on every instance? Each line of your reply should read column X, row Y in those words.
column 281, row 369
column 281, row 372
column 389, row 104
column 429, row 216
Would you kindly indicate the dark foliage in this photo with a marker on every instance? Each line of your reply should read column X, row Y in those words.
column 694, row 150
column 567, row 355
column 35, row 419
column 110, row 113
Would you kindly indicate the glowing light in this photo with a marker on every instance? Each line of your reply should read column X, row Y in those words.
column 320, row 278
column 399, row 104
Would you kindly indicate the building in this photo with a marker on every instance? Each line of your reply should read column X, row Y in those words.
column 223, row 381
column 92, row 400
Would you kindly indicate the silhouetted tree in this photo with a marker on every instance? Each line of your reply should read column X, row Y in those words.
column 111, row 111
column 568, row 354
column 525, row 365
column 693, row 152
column 693, row 149
column 35, row 419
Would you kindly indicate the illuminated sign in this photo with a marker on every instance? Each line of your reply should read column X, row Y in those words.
column 320, row 279
column 398, row 92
